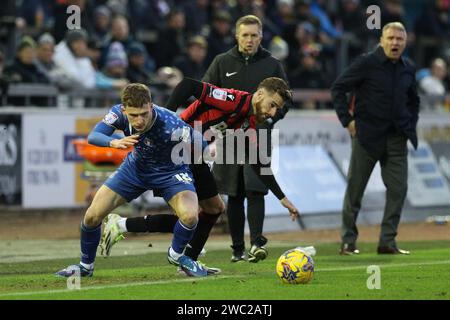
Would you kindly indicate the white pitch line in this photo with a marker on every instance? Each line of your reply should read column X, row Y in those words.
column 122, row 285
column 393, row 265
column 132, row 284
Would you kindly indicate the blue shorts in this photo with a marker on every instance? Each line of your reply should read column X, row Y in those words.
column 130, row 183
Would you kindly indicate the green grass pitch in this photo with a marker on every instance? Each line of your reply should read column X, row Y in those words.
column 425, row 274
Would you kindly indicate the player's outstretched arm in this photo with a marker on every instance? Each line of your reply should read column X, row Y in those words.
column 183, row 91
column 271, row 183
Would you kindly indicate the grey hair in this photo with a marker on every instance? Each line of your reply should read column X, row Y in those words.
column 394, row 25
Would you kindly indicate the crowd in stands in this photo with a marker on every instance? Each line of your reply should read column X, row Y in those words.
column 157, row 42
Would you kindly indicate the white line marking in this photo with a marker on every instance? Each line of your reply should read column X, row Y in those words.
column 132, row 284
column 393, row 265
column 122, row 285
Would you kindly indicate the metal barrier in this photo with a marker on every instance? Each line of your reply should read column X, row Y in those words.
column 100, row 98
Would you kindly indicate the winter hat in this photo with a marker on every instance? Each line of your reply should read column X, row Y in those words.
column 136, row 48
column 26, row 42
column 75, row 35
column 116, row 56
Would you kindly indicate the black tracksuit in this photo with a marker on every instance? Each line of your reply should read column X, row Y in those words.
column 232, row 70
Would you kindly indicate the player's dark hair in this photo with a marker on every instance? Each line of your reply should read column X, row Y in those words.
column 276, row 85
column 135, row 95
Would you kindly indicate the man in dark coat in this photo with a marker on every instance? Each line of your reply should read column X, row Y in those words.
column 384, row 118
column 243, row 67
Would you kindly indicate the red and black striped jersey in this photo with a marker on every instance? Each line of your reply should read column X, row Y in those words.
column 220, row 109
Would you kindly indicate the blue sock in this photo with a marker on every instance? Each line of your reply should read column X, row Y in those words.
column 181, row 236
column 89, row 240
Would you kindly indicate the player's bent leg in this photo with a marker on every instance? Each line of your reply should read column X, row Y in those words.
column 104, row 202
column 211, row 209
column 185, row 204
column 113, row 231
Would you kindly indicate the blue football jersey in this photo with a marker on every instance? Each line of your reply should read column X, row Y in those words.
column 154, row 150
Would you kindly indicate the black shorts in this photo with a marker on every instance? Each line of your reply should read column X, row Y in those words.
column 204, row 181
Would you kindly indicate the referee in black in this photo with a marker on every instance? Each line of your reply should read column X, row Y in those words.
column 385, row 116
column 243, row 67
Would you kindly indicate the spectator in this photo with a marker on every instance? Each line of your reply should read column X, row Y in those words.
column 433, row 25
column 353, row 20
column 270, row 29
column 220, row 39
column 303, row 13
column 305, row 39
column 309, row 75
column 197, row 16
column 392, row 10
column 241, row 8
column 166, row 80
column 113, row 75
column 102, row 24
column 433, row 85
column 137, row 71
column 318, row 10
column 71, row 56
column 148, row 15
column 192, row 63
column 283, row 15
column 172, row 40
column 3, row 80
column 23, row 68
column 46, row 65
column 38, row 14
column 434, row 20
column 60, row 17
column 279, row 49
column 120, row 32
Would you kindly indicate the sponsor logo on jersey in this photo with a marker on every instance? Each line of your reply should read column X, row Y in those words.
column 219, row 94
column 230, row 74
column 110, row 118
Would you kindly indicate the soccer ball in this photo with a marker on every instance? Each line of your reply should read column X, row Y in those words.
column 294, row 267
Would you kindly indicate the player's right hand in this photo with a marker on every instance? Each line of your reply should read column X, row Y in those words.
column 293, row 212
column 352, row 128
column 125, row 142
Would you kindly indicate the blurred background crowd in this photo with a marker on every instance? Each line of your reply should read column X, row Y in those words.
column 157, row 42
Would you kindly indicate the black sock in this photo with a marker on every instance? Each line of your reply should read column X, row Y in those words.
column 152, row 223
column 236, row 222
column 205, row 223
column 255, row 215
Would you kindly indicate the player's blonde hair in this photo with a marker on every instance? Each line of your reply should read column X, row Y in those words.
column 136, row 95
column 249, row 19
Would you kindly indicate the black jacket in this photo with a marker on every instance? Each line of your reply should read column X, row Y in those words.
column 386, row 99
column 232, row 70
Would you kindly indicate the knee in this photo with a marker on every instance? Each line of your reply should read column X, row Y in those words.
column 215, row 207
column 189, row 220
column 188, row 216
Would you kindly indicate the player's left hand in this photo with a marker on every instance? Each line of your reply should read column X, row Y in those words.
column 293, row 212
